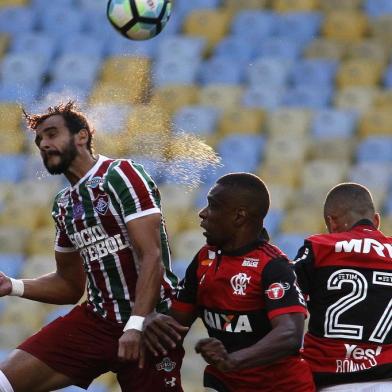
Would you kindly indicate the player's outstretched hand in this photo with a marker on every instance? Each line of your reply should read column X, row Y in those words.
column 162, row 333
column 214, row 352
column 129, row 345
column 5, row 285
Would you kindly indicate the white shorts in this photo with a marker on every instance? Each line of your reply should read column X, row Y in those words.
column 371, row 386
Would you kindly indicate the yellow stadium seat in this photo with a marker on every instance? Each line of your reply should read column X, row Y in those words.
column 13, row 334
column 383, row 100
column 174, row 97
column 370, row 49
column 3, row 43
column 176, row 197
column 381, row 29
column 41, row 242
column 325, row 48
column 113, row 92
column 241, row 120
column 332, row 5
column 13, row 3
column 280, row 195
column 289, row 122
column 38, row 265
column 11, row 116
column 286, row 149
column 386, row 225
column 238, row 5
column 332, row 149
column 186, row 244
column 376, row 122
column 13, row 215
column 302, row 219
column 221, row 96
column 357, row 98
column 359, row 72
column 208, row 23
column 345, row 25
column 13, row 238
column 294, row 5
column 279, row 172
column 309, row 198
column 12, row 141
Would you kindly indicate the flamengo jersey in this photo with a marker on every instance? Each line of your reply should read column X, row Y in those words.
column 348, row 277
column 91, row 218
column 236, row 294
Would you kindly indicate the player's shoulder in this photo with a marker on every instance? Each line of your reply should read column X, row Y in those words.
column 60, row 195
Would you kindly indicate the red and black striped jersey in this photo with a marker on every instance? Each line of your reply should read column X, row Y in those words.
column 348, row 280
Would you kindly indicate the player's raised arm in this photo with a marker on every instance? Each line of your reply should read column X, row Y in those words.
column 66, row 285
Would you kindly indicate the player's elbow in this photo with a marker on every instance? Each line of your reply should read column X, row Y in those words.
column 292, row 338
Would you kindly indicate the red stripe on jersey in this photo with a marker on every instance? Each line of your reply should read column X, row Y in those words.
column 288, row 309
column 183, row 307
column 272, row 250
column 145, row 198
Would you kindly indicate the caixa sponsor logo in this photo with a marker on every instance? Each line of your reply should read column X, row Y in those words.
column 167, row 365
column 227, row 322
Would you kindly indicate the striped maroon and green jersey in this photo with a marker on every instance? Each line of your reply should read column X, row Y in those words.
column 91, row 218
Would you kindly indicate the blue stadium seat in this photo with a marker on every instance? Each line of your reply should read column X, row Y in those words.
column 96, row 24
column 375, row 149
column 16, row 20
column 120, row 46
column 387, row 77
column 11, row 264
column 376, row 8
column 220, row 70
column 179, row 267
column 333, row 123
column 300, row 26
column 233, row 47
column 388, row 205
column 4, row 353
column 183, row 7
column 21, row 93
column 290, row 243
column 200, row 120
column 375, row 175
column 282, row 49
column 181, row 47
column 154, row 167
column 273, row 220
column 174, row 70
column 82, row 43
column 307, row 97
column 271, row 72
column 253, row 25
column 12, row 167
column 260, row 96
column 58, row 312
column 59, row 88
column 314, row 72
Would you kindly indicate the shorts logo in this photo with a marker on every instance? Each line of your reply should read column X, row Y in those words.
column 171, row 382
column 77, row 210
column 277, row 290
column 95, row 182
column 101, row 204
column 239, row 282
column 167, row 365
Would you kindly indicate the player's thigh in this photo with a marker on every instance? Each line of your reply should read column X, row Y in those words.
column 27, row 373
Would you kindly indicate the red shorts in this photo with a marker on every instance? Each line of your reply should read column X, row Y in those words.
column 290, row 375
column 82, row 346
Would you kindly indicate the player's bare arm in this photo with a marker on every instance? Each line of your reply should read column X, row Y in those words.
column 283, row 340
column 144, row 233
column 66, row 285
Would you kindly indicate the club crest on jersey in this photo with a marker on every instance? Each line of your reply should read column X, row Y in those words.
column 167, row 365
column 77, row 210
column 95, row 182
column 239, row 282
column 101, row 204
column 277, row 290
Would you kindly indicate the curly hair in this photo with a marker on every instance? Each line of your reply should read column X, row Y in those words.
column 74, row 119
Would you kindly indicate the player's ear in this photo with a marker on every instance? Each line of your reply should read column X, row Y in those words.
column 82, row 136
column 331, row 224
column 376, row 220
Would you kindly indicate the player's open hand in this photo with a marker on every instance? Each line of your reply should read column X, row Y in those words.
column 5, row 285
column 214, row 352
column 162, row 333
column 129, row 345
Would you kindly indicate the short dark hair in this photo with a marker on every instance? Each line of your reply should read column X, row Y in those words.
column 252, row 190
column 74, row 119
column 349, row 197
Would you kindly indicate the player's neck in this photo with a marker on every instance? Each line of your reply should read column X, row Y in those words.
column 80, row 167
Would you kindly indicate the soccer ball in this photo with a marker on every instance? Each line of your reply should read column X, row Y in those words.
column 139, row 19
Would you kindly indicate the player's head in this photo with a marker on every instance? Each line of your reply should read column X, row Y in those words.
column 60, row 134
column 346, row 204
column 237, row 205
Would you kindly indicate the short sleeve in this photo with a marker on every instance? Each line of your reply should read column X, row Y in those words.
column 62, row 243
column 303, row 266
column 281, row 292
column 186, row 297
column 134, row 190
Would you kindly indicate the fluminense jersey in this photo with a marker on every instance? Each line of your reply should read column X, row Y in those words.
column 91, row 217
column 348, row 278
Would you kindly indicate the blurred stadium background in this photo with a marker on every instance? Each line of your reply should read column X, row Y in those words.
column 297, row 91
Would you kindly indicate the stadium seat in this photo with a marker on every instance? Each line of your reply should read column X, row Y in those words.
column 11, row 116
column 238, row 5
column 275, row 171
column 173, row 97
column 186, row 244
column 309, row 97
column 323, row 48
column 376, row 122
column 370, row 49
column 11, row 167
column 287, row 48
column 310, row 198
column 331, row 5
column 12, row 141
column 232, row 47
column 176, row 197
column 57, row 312
column 383, row 100
column 319, row 73
column 381, row 29
column 294, row 5
column 221, row 96
column 259, row 96
column 117, row 46
column 333, row 123
column 184, row 7
column 12, row 239
column 200, row 120
column 359, row 72
column 273, row 220
column 332, row 149
column 375, row 149
column 183, row 47
column 358, row 98
column 302, row 219
column 8, row 3
column 116, row 93
column 286, row 149
column 12, row 18
column 289, row 121
column 82, row 43
column 210, row 24
column 375, row 8
column 11, row 264
column 41, row 242
column 220, row 70
column 346, row 26
column 280, row 194
column 4, row 41
column 290, row 242
column 38, row 265
column 241, row 120
column 268, row 71
column 387, row 78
